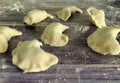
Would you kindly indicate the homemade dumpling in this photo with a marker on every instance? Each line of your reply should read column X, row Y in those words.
column 6, row 34
column 104, row 40
column 53, row 36
column 9, row 32
column 35, row 16
column 97, row 17
column 29, row 57
column 3, row 43
column 65, row 13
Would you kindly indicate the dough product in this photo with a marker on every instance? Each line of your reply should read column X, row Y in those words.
column 9, row 32
column 97, row 17
column 53, row 36
column 6, row 34
column 29, row 57
column 65, row 13
column 3, row 43
column 35, row 16
column 104, row 40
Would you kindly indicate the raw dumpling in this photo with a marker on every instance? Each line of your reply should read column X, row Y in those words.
column 3, row 43
column 9, row 32
column 66, row 12
column 97, row 17
column 29, row 57
column 53, row 36
column 35, row 16
column 104, row 40
column 6, row 34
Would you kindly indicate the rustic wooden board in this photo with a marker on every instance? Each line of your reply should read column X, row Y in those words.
column 77, row 62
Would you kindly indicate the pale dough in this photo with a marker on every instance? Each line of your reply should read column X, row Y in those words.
column 65, row 13
column 6, row 34
column 104, row 40
column 29, row 57
column 97, row 17
column 3, row 43
column 35, row 16
column 53, row 36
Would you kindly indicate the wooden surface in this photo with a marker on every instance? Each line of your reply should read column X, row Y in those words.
column 77, row 62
